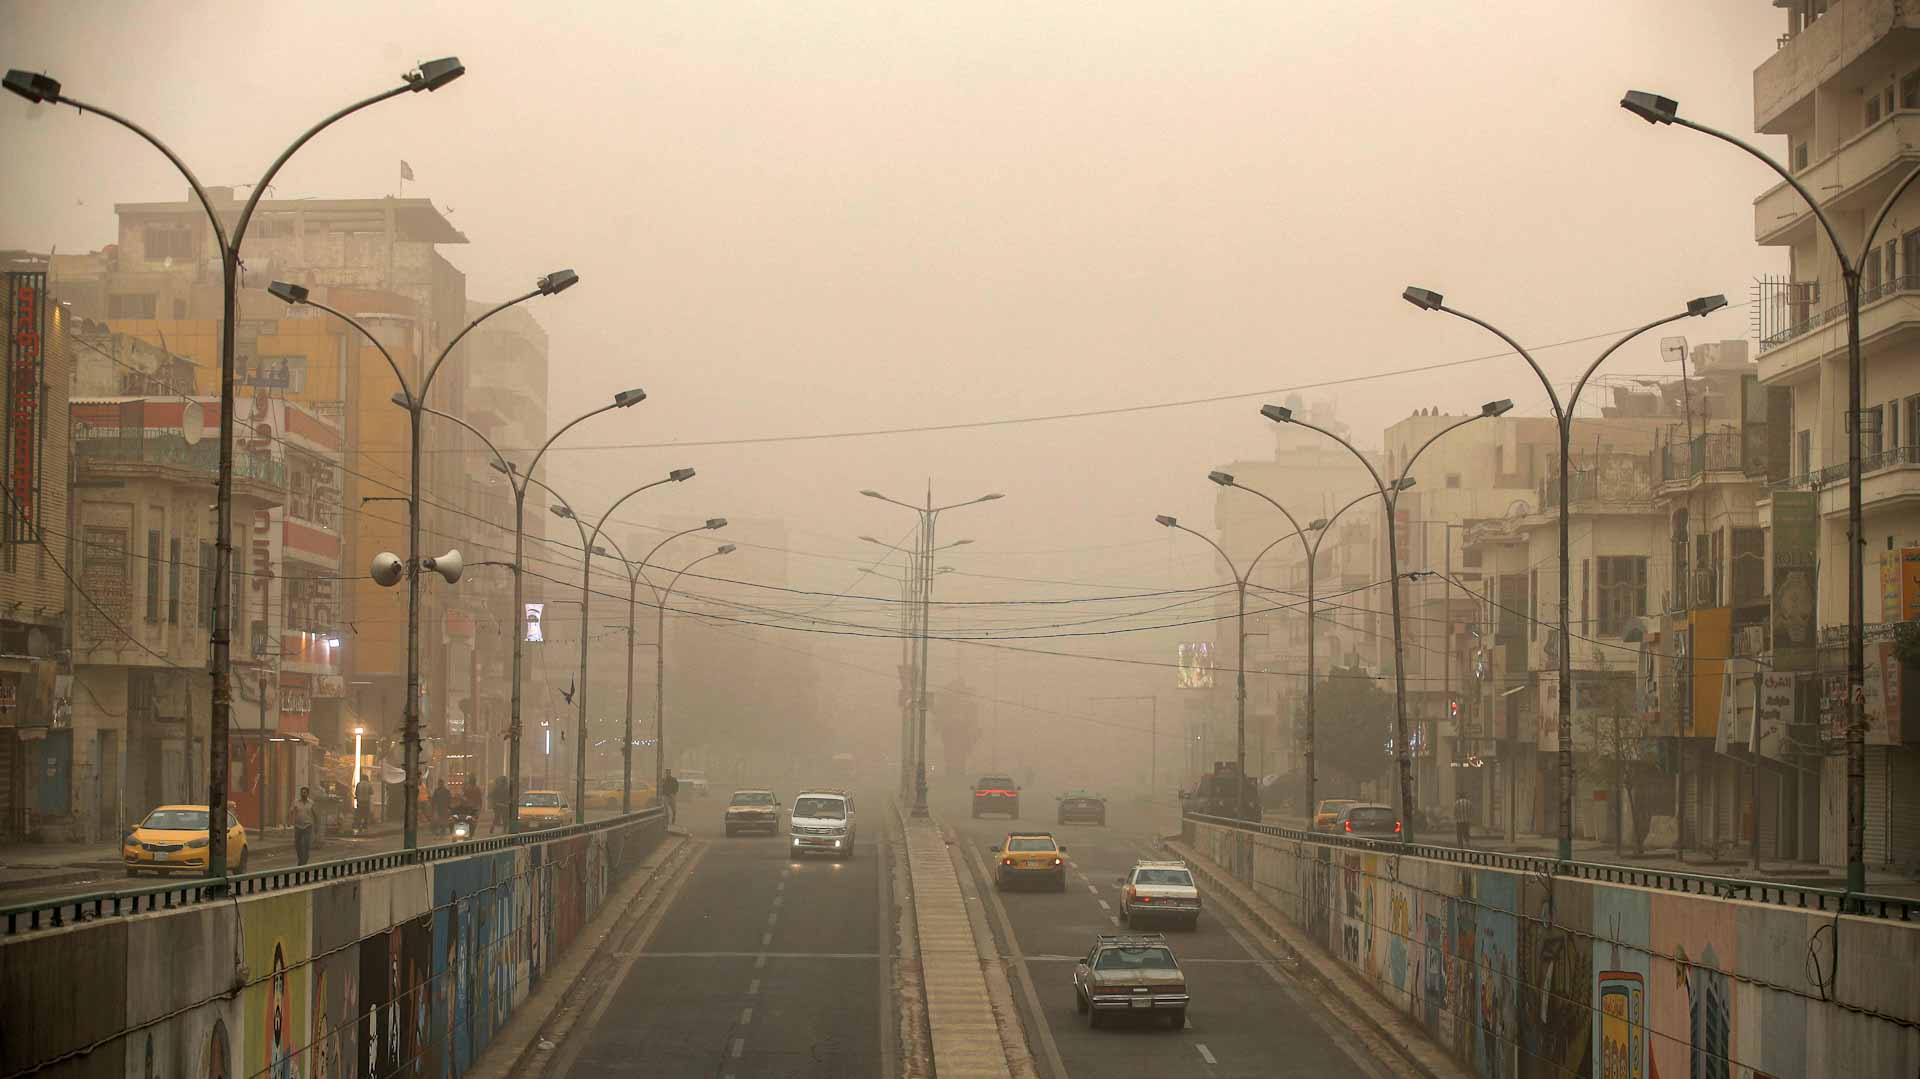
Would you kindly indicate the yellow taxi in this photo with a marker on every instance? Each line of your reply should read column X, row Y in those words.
column 1030, row 858
column 608, row 796
column 1328, row 811
column 174, row 839
column 544, row 809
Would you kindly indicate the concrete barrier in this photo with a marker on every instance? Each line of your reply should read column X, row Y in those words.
column 1522, row 974
column 409, row 970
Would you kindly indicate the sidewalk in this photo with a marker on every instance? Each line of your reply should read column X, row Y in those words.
column 32, row 864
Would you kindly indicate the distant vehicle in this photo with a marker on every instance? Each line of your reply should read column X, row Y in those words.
column 544, row 809
column 996, row 794
column 1367, row 820
column 1130, row 974
column 1030, row 858
column 693, row 782
column 753, row 810
column 821, row 822
column 1157, row 889
column 1328, row 811
column 1080, row 806
column 176, row 838
column 1222, row 793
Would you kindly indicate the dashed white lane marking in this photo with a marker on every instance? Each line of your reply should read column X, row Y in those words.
column 766, row 939
column 1093, row 889
column 759, row 962
column 753, row 988
column 1113, row 919
column 780, row 887
column 741, row 1043
column 772, row 918
column 746, row 1016
column 1104, row 905
column 1204, row 1053
column 779, row 899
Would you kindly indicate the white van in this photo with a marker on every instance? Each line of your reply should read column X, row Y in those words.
column 821, row 822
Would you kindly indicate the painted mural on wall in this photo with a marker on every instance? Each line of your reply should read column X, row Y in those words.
column 1526, row 975
column 406, row 973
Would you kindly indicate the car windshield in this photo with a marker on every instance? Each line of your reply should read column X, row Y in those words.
column 540, row 800
column 1163, row 876
column 1030, row 843
column 1333, row 805
column 176, row 820
column 753, row 798
column 690, row 774
column 994, row 783
column 826, row 808
column 1370, row 813
column 1134, row 959
column 1078, row 796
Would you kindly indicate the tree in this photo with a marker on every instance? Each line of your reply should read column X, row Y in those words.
column 1618, row 746
column 1353, row 725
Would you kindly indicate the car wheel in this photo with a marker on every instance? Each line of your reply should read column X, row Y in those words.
column 1177, row 1019
column 1094, row 1018
column 1126, row 916
column 1193, row 924
column 241, row 865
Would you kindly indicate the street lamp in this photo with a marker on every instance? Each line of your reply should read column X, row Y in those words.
column 1319, row 528
column 1429, row 300
column 1389, row 497
column 1655, row 109
column 414, row 400
column 660, row 644
column 909, row 641
column 678, row 475
column 929, row 516
column 44, row 89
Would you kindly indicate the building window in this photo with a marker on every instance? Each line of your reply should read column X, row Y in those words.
column 1913, row 420
column 1910, row 90
column 1893, row 425
column 1623, row 592
column 1910, row 257
column 131, row 305
column 1749, row 568
column 1871, row 432
column 173, row 582
column 1873, row 108
column 1586, row 584
column 1870, row 277
column 1800, row 157
column 1453, row 480
column 1802, row 452
column 153, row 575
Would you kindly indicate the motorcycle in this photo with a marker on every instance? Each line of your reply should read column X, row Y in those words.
column 461, row 827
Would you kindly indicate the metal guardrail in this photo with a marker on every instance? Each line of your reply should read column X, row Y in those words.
column 125, row 902
column 1828, row 900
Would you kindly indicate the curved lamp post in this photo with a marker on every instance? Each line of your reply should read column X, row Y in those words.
column 909, row 636
column 587, row 544
column 929, row 516
column 660, row 644
column 1655, row 109
column 1389, row 496
column 44, row 89
column 414, row 400
column 1429, row 300
column 1240, row 652
column 1319, row 528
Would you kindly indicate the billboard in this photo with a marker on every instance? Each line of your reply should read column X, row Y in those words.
column 1796, row 568
column 24, row 385
column 1196, row 666
column 1900, row 585
column 535, row 631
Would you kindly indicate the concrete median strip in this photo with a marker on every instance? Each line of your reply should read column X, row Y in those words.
column 960, row 1015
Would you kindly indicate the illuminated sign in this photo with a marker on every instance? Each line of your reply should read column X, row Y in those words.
column 1196, row 666
column 534, row 611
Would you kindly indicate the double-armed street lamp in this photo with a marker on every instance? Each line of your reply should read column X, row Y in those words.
column 1318, row 529
column 44, row 89
column 909, row 618
column 1655, row 109
column 1429, row 300
column 1389, row 498
column 589, row 548
column 929, row 517
column 414, row 399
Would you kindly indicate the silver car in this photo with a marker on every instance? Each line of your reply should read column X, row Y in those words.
column 1162, row 890
column 1130, row 974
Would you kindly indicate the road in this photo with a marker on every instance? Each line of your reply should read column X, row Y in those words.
column 1248, row 1016
column 760, row 965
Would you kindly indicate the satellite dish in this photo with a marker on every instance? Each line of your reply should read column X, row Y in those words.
column 1673, row 349
column 193, row 423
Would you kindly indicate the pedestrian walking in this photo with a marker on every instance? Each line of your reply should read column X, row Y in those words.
column 1462, row 812
column 305, row 815
column 669, row 787
column 362, row 805
column 442, row 806
column 500, row 795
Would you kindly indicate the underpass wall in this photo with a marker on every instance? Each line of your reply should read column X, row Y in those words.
column 404, row 971
column 1524, row 974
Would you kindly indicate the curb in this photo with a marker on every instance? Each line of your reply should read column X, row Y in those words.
column 964, row 1028
column 1311, row 964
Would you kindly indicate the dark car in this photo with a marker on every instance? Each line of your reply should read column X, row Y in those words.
column 1367, row 820
column 1082, row 808
column 996, row 794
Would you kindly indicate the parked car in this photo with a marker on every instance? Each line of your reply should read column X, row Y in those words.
column 996, row 794
column 1030, row 858
column 1159, row 889
column 1080, row 806
column 1362, row 819
column 1130, row 974
column 175, row 838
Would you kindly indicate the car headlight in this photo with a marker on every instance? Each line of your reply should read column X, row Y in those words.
column 201, row 842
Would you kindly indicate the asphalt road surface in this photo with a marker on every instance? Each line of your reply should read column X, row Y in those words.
column 759, row 967
column 1248, row 1016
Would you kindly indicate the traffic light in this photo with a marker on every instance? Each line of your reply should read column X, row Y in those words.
column 1453, row 709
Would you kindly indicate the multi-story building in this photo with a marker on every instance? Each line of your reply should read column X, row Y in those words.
column 1841, row 98
column 36, row 739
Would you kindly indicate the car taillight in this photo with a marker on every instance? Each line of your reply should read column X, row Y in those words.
column 1144, row 899
column 1349, row 826
column 1396, row 827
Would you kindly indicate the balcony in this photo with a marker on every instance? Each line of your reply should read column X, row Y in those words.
column 1887, row 320
column 1617, row 481
column 1886, row 478
column 1740, row 450
column 1853, row 178
column 1827, row 47
column 167, row 450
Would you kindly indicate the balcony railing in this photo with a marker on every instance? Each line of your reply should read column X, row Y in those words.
column 1805, row 324
column 1738, row 450
column 173, row 451
column 1869, row 463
